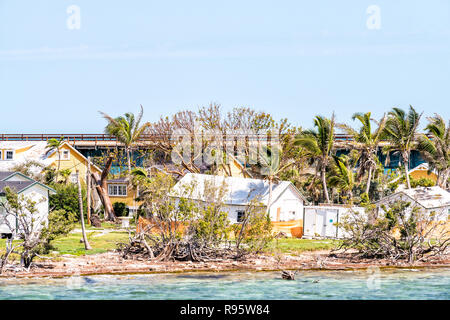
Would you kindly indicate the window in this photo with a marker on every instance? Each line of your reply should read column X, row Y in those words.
column 240, row 215
column 9, row 155
column 1, row 154
column 65, row 155
column 119, row 190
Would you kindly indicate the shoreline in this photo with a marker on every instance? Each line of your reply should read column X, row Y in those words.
column 111, row 263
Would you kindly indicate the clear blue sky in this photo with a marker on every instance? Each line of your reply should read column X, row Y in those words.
column 294, row 59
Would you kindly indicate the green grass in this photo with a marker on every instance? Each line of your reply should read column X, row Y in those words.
column 297, row 246
column 71, row 244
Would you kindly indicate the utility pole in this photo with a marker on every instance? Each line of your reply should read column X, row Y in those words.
column 87, row 246
column 88, row 193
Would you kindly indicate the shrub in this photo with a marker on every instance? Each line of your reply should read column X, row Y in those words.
column 120, row 209
column 66, row 198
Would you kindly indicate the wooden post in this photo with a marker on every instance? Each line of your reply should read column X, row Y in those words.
column 87, row 246
column 88, row 193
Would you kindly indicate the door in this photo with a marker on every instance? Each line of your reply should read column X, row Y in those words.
column 321, row 222
column 330, row 228
column 310, row 222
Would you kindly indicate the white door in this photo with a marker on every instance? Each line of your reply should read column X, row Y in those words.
column 330, row 228
column 321, row 222
column 310, row 222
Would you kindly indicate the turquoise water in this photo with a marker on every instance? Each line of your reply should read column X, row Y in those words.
column 388, row 284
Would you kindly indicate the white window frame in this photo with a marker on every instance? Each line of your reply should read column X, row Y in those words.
column 1, row 154
column 13, row 155
column 117, row 190
column 68, row 155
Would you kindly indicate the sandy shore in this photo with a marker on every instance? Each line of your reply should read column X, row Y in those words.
column 112, row 263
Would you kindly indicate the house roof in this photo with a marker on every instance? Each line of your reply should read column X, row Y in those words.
column 240, row 191
column 16, row 186
column 118, row 180
column 427, row 197
column 5, row 175
column 19, row 186
column 37, row 151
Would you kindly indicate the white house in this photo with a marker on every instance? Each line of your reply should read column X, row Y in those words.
column 286, row 204
column 30, row 189
column 429, row 199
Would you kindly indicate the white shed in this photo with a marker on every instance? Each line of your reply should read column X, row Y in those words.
column 321, row 221
column 286, row 204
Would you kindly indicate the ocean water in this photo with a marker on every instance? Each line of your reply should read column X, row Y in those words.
column 366, row 284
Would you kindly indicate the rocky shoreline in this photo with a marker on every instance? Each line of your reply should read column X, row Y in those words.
column 113, row 263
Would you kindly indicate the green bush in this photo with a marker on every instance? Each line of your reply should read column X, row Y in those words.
column 66, row 198
column 120, row 209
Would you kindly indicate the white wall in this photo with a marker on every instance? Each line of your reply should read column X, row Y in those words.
column 321, row 221
column 291, row 206
column 38, row 194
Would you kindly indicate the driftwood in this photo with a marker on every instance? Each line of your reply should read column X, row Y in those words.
column 147, row 246
column 288, row 275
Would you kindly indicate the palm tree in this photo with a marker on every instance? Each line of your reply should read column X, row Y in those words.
column 400, row 131
column 127, row 130
column 272, row 167
column 319, row 146
column 55, row 144
column 435, row 148
column 343, row 176
column 367, row 143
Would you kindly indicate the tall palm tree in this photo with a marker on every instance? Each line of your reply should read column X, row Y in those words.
column 435, row 148
column 52, row 145
column 342, row 176
column 400, row 131
column 272, row 167
column 319, row 145
column 127, row 129
column 366, row 142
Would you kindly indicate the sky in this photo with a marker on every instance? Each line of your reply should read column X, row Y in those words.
column 61, row 61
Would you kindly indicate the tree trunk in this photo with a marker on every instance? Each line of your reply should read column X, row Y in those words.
column 324, row 184
column 87, row 246
column 59, row 166
column 269, row 202
column 406, row 165
column 88, row 193
column 129, row 160
column 369, row 180
column 102, row 189
column 445, row 179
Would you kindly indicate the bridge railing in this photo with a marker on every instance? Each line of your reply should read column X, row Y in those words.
column 102, row 137
column 96, row 137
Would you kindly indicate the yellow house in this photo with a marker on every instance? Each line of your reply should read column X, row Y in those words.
column 71, row 159
column 421, row 171
column 234, row 167
column 14, row 153
column 121, row 190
